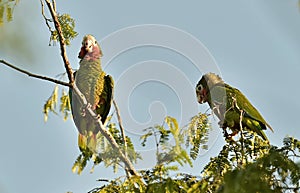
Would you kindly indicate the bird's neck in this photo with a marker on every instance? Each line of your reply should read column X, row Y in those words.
column 90, row 63
column 94, row 55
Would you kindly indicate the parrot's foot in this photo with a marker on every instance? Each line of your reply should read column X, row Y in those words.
column 84, row 108
column 97, row 117
column 225, row 134
column 83, row 113
column 229, row 136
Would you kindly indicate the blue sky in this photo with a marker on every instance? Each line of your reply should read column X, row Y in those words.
column 255, row 46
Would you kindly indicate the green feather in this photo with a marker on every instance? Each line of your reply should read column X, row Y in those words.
column 228, row 103
column 98, row 90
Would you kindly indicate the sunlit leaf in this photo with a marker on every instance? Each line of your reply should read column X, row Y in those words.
column 65, row 105
column 51, row 103
column 67, row 25
column 2, row 8
column 9, row 14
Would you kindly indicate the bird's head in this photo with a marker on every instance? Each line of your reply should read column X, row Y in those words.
column 90, row 47
column 205, row 84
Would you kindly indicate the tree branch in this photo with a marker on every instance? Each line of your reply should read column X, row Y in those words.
column 35, row 75
column 105, row 132
column 82, row 98
column 100, row 126
column 71, row 84
column 121, row 126
column 122, row 132
column 61, row 40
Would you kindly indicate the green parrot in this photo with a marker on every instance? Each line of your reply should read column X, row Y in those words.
column 231, row 107
column 97, row 87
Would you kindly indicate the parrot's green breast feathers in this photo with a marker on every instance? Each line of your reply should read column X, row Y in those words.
column 96, row 86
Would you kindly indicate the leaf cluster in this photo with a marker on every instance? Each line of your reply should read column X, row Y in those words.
column 52, row 103
column 172, row 141
column 6, row 10
column 67, row 25
column 105, row 153
column 247, row 164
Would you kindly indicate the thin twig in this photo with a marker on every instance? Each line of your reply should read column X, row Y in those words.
column 82, row 98
column 46, row 19
column 69, row 70
column 54, row 5
column 242, row 135
column 121, row 126
column 105, row 132
column 61, row 41
column 122, row 132
column 36, row 75
column 234, row 102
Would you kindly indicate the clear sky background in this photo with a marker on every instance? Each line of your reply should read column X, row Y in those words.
column 255, row 46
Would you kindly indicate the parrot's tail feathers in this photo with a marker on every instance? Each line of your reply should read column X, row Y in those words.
column 269, row 126
column 263, row 135
column 82, row 142
column 92, row 143
column 87, row 144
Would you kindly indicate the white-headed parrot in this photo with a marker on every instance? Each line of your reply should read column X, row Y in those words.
column 232, row 108
column 97, row 87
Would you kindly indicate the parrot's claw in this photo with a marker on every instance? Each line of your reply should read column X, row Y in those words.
column 226, row 135
column 98, row 117
column 83, row 109
column 229, row 136
column 88, row 106
column 83, row 112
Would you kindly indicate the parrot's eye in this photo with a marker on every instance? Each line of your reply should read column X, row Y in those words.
column 199, row 87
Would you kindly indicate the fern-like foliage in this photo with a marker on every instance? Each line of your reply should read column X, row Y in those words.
column 198, row 130
column 67, row 25
column 169, row 139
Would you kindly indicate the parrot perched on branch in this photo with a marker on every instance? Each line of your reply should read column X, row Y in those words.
column 97, row 87
column 231, row 107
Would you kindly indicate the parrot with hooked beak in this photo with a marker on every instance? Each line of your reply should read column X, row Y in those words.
column 231, row 107
column 97, row 87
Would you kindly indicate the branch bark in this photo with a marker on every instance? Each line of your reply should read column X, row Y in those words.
column 106, row 133
column 36, row 75
column 103, row 131
column 69, row 70
column 121, row 126
column 61, row 40
column 129, row 166
column 122, row 132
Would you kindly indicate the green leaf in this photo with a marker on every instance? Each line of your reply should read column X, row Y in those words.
column 51, row 103
column 65, row 105
column 7, row 7
column 67, row 26
column 2, row 8
column 9, row 14
column 198, row 130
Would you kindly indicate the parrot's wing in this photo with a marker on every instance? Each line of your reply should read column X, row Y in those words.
column 249, row 110
column 217, row 101
column 107, row 96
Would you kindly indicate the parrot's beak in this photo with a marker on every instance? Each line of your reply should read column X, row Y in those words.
column 82, row 52
column 200, row 98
